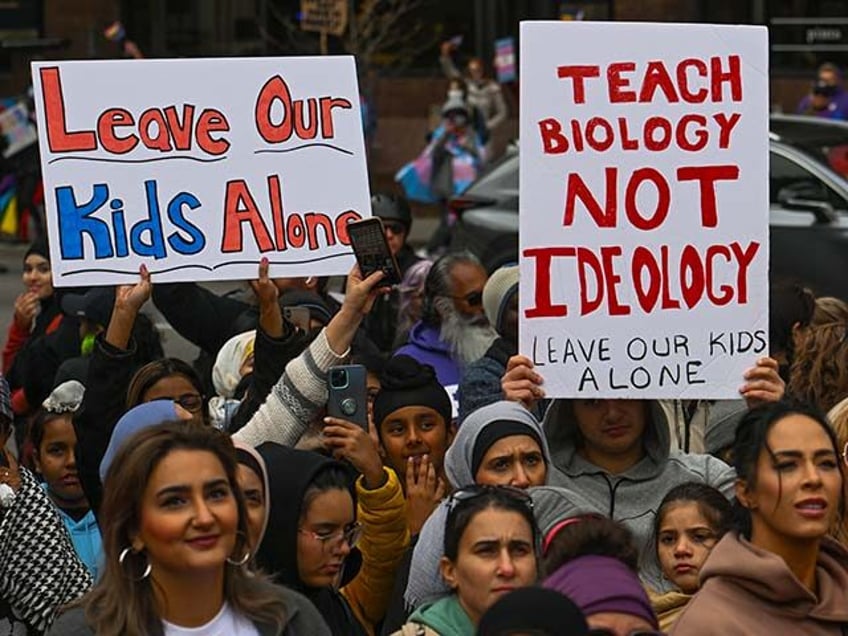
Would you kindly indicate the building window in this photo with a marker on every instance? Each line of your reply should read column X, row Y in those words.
column 805, row 33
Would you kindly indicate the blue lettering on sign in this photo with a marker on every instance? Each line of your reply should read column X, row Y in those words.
column 145, row 238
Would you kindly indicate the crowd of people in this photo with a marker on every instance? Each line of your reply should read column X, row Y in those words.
column 141, row 494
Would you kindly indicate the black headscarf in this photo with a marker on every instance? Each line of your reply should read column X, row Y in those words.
column 290, row 472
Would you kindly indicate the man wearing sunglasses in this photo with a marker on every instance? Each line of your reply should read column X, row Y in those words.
column 453, row 331
column 481, row 380
column 394, row 212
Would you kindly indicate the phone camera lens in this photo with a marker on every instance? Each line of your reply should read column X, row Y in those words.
column 338, row 379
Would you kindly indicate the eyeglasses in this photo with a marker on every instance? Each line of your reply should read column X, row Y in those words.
column 394, row 227
column 474, row 299
column 350, row 534
column 477, row 490
column 191, row 402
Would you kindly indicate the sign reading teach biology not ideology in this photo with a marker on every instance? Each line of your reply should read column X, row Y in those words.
column 199, row 168
column 643, row 207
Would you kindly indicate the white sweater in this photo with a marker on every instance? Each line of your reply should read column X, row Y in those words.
column 295, row 400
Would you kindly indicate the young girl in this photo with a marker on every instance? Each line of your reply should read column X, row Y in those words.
column 778, row 572
column 691, row 519
column 54, row 441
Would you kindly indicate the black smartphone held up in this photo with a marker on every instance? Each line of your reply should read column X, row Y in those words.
column 348, row 394
column 368, row 240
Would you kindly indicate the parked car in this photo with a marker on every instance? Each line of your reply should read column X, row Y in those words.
column 807, row 194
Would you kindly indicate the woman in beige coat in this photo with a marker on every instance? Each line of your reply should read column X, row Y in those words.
column 779, row 573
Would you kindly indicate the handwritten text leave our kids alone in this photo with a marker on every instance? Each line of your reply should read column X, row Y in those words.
column 649, row 271
column 117, row 132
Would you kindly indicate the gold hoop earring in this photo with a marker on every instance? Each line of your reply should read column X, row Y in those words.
column 123, row 556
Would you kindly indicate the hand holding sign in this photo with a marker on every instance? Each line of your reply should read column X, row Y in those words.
column 763, row 383
column 270, row 315
column 521, row 383
column 131, row 298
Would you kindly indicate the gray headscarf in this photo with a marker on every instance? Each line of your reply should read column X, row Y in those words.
column 425, row 580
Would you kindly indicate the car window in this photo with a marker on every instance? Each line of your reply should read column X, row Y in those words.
column 785, row 173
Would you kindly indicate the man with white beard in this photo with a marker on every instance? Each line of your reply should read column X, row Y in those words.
column 453, row 330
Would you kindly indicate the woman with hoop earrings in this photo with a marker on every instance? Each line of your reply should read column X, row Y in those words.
column 174, row 527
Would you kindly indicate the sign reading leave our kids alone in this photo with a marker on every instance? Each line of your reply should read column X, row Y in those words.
column 644, row 207
column 199, row 168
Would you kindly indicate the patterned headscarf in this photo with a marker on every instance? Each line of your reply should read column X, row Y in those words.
column 39, row 570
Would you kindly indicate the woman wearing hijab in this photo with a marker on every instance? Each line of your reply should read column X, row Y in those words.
column 498, row 445
column 252, row 477
column 36, row 309
column 336, row 540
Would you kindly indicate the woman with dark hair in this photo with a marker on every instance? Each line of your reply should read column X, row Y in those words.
column 501, row 444
column 37, row 310
column 691, row 520
column 336, row 539
column 175, row 538
column 778, row 572
column 490, row 549
column 40, row 336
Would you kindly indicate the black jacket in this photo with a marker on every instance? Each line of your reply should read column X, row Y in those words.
column 290, row 473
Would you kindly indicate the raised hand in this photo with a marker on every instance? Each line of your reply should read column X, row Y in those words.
column 424, row 490
column 133, row 297
column 26, row 307
column 264, row 288
column 762, row 383
column 360, row 293
column 267, row 293
column 521, row 383
column 349, row 441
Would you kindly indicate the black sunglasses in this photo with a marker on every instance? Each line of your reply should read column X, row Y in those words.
column 394, row 227
column 474, row 299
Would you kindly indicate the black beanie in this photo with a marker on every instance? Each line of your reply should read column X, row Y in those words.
column 406, row 382
column 535, row 610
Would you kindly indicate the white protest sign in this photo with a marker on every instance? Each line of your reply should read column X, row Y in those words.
column 201, row 167
column 643, row 207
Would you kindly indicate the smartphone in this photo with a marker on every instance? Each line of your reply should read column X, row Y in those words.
column 371, row 249
column 298, row 316
column 348, row 394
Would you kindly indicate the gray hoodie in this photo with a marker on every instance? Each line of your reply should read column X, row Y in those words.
column 631, row 497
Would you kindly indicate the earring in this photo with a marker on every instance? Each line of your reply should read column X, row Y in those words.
column 241, row 561
column 123, row 556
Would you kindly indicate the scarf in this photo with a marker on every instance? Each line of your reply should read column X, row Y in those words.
column 39, row 570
